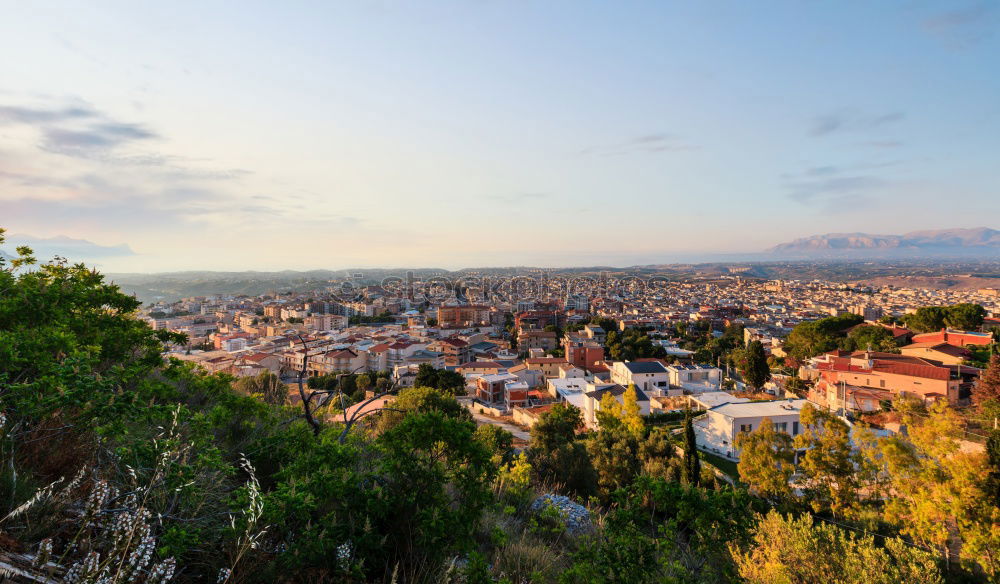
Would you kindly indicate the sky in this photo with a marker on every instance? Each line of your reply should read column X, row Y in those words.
column 308, row 135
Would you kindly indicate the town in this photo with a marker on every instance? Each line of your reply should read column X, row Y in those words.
column 444, row 292
column 673, row 342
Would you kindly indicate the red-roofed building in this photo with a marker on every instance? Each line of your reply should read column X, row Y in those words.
column 549, row 366
column 481, row 368
column 581, row 351
column 957, row 338
column 456, row 351
column 891, row 373
column 344, row 360
column 539, row 319
column 944, row 352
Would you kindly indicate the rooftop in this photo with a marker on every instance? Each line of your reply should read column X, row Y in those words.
column 760, row 409
column 642, row 367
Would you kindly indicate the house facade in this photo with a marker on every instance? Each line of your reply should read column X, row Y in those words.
column 717, row 429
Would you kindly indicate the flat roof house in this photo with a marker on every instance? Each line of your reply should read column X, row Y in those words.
column 717, row 430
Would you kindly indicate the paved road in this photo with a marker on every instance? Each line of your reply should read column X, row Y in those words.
column 517, row 431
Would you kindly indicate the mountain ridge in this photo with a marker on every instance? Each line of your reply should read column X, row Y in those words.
column 941, row 240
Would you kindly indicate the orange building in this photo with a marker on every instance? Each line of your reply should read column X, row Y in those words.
column 895, row 374
column 957, row 338
column 463, row 316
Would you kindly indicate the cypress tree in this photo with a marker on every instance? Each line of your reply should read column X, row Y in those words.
column 692, row 463
column 754, row 369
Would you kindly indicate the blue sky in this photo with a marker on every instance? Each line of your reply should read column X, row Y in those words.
column 261, row 135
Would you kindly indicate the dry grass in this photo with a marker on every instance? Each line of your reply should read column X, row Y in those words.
column 526, row 558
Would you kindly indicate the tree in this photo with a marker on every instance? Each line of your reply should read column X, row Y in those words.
column 809, row 339
column 266, row 384
column 423, row 400
column 829, row 464
column 614, row 454
column 965, row 316
column 752, row 364
column 426, row 376
column 86, row 391
column 614, row 448
column 359, row 511
column 658, row 456
column 692, row 462
column 363, row 382
column 939, row 492
column 449, row 381
column 797, row 551
column 557, row 459
column 626, row 413
column 663, row 531
column 987, row 388
column 498, row 441
column 993, row 456
column 926, row 319
column 556, row 427
column 876, row 338
column 631, row 344
column 766, row 460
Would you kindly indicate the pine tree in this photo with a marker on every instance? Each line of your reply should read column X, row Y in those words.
column 766, row 460
column 692, row 463
column 993, row 456
column 988, row 387
column 753, row 367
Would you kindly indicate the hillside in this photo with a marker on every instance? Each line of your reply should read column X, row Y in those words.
column 976, row 241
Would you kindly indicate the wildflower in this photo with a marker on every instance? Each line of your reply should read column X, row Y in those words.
column 44, row 552
column 344, row 553
column 162, row 572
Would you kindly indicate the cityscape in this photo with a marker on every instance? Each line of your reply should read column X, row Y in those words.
column 499, row 292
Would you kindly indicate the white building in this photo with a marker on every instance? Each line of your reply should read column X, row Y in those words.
column 717, row 430
column 562, row 387
column 234, row 344
column 648, row 376
column 595, row 393
column 709, row 399
column 695, row 378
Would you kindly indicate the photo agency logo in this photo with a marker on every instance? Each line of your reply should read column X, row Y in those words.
column 514, row 289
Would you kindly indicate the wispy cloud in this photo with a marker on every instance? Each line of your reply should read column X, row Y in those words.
column 851, row 120
column 966, row 26
column 835, row 188
column 647, row 143
column 74, row 128
column 88, row 167
column 35, row 115
column 76, row 249
column 807, row 191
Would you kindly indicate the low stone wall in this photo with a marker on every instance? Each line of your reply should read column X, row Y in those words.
column 482, row 408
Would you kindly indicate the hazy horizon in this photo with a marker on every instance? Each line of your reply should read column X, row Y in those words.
column 456, row 134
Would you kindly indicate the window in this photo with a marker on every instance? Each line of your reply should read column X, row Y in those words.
column 881, row 383
column 746, row 427
column 782, row 427
column 795, row 428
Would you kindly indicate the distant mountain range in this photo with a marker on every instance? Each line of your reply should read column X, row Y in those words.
column 951, row 242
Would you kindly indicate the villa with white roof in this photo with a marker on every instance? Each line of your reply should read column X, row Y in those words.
column 716, row 431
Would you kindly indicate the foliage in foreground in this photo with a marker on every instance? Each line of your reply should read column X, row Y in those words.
column 120, row 465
